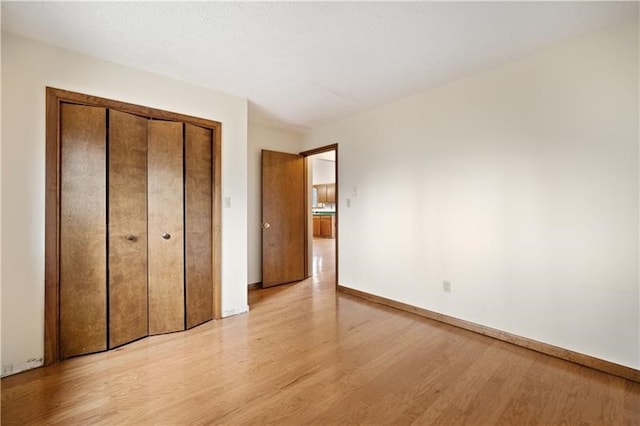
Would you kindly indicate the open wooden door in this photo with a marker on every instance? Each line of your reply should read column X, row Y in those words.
column 283, row 218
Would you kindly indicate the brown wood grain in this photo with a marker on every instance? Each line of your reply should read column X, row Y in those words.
column 198, row 220
column 308, row 355
column 143, row 111
column 320, row 150
column 547, row 349
column 331, row 193
column 54, row 98
column 217, row 222
column 52, row 231
column 165, row 215
column 254, row 286
column 326, row 226
column 316, row 226
column 322, row 193
column 128, row 313
column 83, row 233
column 283, row 208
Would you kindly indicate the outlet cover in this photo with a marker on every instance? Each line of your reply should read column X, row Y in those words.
column 446, row 286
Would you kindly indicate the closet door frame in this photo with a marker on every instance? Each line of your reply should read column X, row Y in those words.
column 54, row 99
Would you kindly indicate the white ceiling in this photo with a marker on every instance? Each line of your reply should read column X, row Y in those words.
column 307, row 63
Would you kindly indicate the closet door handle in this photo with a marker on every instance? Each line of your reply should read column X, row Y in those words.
column 131, row 237
column 166, row 236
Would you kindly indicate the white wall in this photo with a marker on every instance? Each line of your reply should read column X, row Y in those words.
column 324, row 171
column 519, row 185
column 27, row 67
column 274, row 139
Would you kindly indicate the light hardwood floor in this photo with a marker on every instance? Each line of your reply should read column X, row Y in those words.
column 306, row 355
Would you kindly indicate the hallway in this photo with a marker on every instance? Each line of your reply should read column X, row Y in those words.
column 324, row 261
column 322, row 275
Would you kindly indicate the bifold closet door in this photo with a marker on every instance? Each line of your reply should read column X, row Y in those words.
column 165, row 226
column 128, row 314
column 198, row 222
column 83, row 230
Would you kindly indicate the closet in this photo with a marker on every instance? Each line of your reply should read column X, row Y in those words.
column 135, row 227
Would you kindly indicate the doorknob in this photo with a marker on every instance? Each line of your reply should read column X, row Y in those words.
column 266, row 225
column 131, row 237
column 166, row 236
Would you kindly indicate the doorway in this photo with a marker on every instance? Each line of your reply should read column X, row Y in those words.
column 322, row 208
column 291, row 204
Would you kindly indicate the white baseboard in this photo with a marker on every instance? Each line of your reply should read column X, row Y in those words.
column 17, row 367
column 236, row 311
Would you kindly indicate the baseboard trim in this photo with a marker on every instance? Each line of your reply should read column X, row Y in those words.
column 235, row 311
column 547, row 349
column 255, row 286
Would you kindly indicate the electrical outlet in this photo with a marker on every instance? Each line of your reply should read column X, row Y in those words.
column 446, row 286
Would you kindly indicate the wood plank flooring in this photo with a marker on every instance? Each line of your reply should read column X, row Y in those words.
column 306, row 355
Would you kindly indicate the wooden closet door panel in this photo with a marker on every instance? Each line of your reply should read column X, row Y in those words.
column 128, row 314
column 166, row 226
column 83, row 233
column 198, row 272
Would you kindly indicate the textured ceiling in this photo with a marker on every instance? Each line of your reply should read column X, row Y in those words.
column 305, row 64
